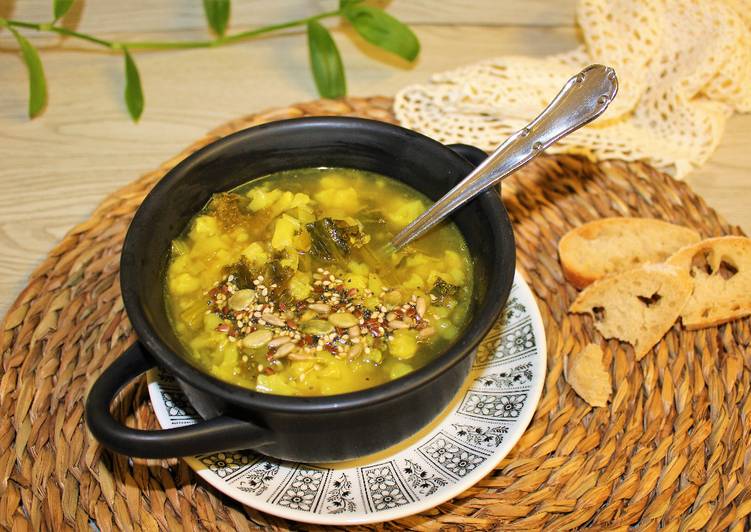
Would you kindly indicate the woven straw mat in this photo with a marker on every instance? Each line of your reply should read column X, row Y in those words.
column 671, row 450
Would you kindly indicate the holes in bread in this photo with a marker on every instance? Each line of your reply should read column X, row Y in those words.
column 598, row 313
column 651, row 300
column 726, row 269
column 700, row 262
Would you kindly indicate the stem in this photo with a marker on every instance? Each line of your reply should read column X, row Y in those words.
column 266, row 29
column 166, row 45
column 61, row 31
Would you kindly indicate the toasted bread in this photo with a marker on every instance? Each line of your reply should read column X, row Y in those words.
column 637, row 306
column 588, row 376
column 612, row 245
column 721, row 268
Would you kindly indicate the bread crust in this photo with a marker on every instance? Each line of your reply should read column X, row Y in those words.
column 611, row 245
column 714, row 299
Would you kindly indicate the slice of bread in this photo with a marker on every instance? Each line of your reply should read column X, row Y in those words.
column 721, row 268
column 637, row 306
column 613, row 245
column 588, row 376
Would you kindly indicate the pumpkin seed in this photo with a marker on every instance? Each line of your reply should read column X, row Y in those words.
column 258, row 338
column 317, row 327
column 343, row 320
column 242, row 299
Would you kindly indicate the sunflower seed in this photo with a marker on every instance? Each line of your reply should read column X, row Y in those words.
column 427, row 331
column 279, row 341
column 273, row 320
column 421, row 306
column 355, row 351
column 284, row 350
column 321, row 308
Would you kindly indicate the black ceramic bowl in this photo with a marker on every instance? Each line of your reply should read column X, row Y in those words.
column 311, row 429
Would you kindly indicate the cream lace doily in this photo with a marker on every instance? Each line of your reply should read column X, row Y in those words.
column 684, row 66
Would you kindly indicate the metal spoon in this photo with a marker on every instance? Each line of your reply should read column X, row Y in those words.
column 583, row 98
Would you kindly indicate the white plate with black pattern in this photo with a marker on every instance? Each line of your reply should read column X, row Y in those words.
column 466, row 442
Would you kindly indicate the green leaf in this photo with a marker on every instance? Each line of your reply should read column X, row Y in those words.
column 37, row 82
column 217, row 14
column 381, row 29
column 61, row 7
column 344, row 3
column 133, row 90
column 325, row 62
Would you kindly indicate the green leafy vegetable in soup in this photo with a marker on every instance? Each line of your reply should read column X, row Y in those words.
column 282, row 284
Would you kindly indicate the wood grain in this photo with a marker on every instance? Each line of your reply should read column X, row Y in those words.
column 56, row 168
column 107, row 16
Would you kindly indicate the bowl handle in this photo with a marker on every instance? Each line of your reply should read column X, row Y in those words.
column 221, row 433
column 470, row 153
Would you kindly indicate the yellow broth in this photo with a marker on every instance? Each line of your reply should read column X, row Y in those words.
column 283, row 285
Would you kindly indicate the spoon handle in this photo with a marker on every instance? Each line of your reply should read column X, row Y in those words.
column 582, row 99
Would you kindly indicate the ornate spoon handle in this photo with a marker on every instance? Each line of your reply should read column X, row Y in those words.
column 583, row 98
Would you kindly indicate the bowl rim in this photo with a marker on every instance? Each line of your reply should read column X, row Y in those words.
column 500, row 279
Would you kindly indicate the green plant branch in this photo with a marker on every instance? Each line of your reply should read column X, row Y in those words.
column 373, row 24
column 169, row 45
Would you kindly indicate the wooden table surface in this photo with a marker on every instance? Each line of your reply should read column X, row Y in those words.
column 57, row 168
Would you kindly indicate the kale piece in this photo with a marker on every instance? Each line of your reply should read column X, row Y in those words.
column 333, row 240
column 442, row 290
column 243, row 273
column 229, row 209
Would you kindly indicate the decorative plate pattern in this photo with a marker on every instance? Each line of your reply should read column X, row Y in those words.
column 465, row 443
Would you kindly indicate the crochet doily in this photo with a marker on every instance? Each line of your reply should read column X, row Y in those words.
column 684, row 66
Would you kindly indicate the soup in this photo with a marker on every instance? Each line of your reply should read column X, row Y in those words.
column 283, row 285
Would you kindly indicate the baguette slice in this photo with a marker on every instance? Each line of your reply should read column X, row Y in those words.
column 588, row 376
column 637, row 306
column 613, row 245
column 721, row 268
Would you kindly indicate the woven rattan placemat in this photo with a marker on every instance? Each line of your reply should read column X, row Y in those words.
column 672, row 449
